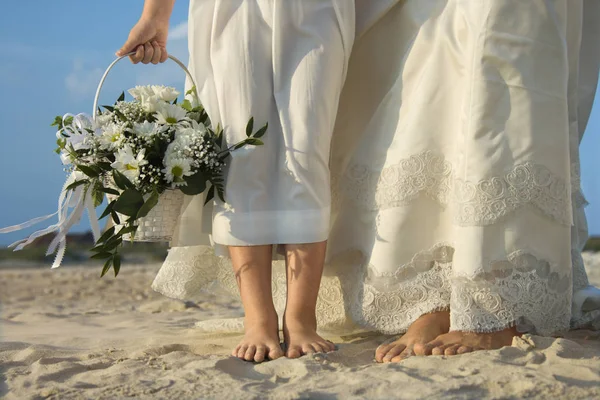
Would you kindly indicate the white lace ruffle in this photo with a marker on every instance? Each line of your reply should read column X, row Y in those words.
column 521, row 290
column 477, row 203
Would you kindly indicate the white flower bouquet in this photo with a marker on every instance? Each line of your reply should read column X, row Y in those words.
column 136, row 153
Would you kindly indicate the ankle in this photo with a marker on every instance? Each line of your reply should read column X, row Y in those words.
column 267, row 319
column 293, row 320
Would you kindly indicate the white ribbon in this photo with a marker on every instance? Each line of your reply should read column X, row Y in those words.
column 79, row 200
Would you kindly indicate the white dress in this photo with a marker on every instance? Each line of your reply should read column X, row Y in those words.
column 283, row 63
column 455, row 172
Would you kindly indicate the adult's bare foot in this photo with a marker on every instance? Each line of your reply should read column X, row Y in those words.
column 260, row 342
column 301, row 338
column 457, row 342
column 426, row 328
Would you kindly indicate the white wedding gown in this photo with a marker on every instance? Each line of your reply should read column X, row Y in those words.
column 454, row 163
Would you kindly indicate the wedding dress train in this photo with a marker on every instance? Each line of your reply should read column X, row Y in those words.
column 454, row 172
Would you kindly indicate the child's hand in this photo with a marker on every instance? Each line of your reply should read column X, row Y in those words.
column 148, row 39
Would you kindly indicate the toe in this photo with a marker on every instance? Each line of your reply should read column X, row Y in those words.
column 235, row 351
column 451, row 350
column 318, row 348
column 381, row 351
column 464, row 349
column 242, row 351
column 439, row 350
column 393, row 352
column 259, row 356
column 275, row 352
column 426, row 349
column 294, row 352
column 250, row 352
column 308, row 349
column 330, row 345
column 406, row 353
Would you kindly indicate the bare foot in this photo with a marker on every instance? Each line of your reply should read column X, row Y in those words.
column 301, row 338
column 260, row 342
column 457, row 342
column 426, row 328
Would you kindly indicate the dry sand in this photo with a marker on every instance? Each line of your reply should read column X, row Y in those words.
column 66, row 334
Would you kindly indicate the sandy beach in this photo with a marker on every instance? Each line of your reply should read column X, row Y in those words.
column 67, row 334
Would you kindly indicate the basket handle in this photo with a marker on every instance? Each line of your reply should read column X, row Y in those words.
column 182, row 65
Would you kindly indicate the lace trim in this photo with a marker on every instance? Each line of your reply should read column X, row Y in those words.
column 521, row 290
column 477, row 203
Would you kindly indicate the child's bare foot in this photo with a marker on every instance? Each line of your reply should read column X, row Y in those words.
column 260, row 342
column 301, row 338
column 426, row 328
column 457, row 342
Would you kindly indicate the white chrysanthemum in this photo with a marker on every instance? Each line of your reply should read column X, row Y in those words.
column 170, row 114
column 165, row 93
column 129, row 164
column 176, row 168
column 112, row 136
column 146, row 129
column 104, row 119
column 142, row 93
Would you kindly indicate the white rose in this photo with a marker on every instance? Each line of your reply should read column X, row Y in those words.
column 141, row 93
column 165, row 93
column 150, row 104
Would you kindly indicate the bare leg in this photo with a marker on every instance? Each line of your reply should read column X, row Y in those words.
column 304, row 269
column 252, row 268
column 426, row 328
column 457, row 342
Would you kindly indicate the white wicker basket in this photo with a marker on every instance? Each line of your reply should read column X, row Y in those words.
column 159, row 225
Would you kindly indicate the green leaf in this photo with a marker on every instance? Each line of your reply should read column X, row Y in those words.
column 128, row 229
column 187, row 105
column 101, row 256
column 254, row 142
column 191, row 91
column 108, row 190
column 68, row 121
column 250, row 127
column 210, row 195
column 106, row 235
column 148, row 205
column 107, row 210
column 106, row 267
column 261, row 132
column 105, row 166
column 175, row 101
column 117, row 263
column 97, row 195
column 120, row 115
column 121, row 97
column 129, row 202
column 196, row 184
column 89, row 171
column 113, row 243
column 109, row 108
column 77, row 183
column 115, row 217
column 58, row 121
column 122, row 181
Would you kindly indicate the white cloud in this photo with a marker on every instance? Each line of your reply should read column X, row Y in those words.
column 82, row 81
column 180, row 31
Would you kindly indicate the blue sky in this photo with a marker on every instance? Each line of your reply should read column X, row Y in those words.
column 52, row 56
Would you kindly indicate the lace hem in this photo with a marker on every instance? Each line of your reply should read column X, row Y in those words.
column 477, row 203
column 521, row 290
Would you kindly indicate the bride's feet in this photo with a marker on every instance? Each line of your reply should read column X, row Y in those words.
column 457, row 342
column 301, row 338
column 260, row 342
column 426, row 328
